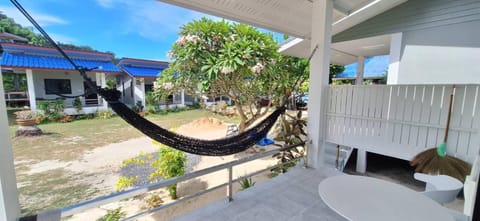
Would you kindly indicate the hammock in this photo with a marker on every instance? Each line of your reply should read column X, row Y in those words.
column 219, row 147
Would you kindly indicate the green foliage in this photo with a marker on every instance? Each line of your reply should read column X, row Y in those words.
column 334, row 70
column 52, row 110
column 111, row 83
column 84, row 116
column 234, row 60
column 292, row 131
column 14, row 82
column 104, row 114
column 124, row 182
column 171, row 163
column 138, row 107
column 77, row 104
column 246, row 183
column 135, row 160
column 113, row 215
column 25, row 114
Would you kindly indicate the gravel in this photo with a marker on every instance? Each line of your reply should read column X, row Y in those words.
column 142, row 171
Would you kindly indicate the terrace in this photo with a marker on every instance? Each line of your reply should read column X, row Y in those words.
column 425, row 39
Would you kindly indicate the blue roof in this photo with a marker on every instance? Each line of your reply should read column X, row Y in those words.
column 35, row 57
column 374, row 67
column 142, row 68
column 142, row 71
column 43, row 62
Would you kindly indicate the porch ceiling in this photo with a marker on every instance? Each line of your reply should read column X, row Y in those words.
column 342, row 52
column 287, row 16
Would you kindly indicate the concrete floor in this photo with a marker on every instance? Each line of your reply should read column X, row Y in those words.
column 291, row 196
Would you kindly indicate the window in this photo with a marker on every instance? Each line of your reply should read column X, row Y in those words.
column 148, row 87
column 58, row 86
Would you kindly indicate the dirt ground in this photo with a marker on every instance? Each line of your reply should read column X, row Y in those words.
column 110, row 165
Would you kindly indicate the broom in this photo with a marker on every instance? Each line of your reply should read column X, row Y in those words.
column 435, row 160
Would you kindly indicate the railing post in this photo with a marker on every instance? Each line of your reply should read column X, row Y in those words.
column 230, row 184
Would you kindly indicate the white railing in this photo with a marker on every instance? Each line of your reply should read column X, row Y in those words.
column 57, row 214
column 403, row 120
column 16, row 96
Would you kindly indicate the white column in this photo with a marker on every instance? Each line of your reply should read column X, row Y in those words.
column 319, row 70
column 31, row 89
column 183, row 98
column 361, row 161
column 142, row 92
column 395, row 55
column 103, row 84
column 360, row 67
column 9, row 206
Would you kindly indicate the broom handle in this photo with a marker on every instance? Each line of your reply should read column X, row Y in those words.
column 447, row 128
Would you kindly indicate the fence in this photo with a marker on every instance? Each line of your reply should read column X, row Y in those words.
column 403, row 120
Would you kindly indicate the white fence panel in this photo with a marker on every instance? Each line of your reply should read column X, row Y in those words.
column 403, row 120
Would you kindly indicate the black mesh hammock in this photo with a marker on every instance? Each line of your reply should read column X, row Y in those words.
column 219, row 147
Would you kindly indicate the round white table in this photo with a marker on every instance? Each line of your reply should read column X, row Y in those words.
column 360, row 198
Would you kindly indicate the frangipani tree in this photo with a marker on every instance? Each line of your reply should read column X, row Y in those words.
column 163, row 87
column 219, row 58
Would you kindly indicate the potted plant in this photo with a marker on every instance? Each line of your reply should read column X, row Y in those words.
column 25, row 118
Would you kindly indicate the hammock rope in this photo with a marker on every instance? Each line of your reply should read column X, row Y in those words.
column 218, row 147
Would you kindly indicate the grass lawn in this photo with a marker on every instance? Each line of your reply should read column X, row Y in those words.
column 58, row 188
column 68, row 141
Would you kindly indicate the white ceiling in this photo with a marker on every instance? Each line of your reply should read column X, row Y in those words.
column 342, row 52
column 292, row 17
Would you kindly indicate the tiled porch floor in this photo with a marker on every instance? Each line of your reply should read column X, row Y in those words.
column 291, row 196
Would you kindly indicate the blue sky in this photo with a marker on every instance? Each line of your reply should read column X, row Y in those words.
column 143, row 29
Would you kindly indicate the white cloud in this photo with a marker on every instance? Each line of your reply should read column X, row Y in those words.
column 42, row 19
column 106, row 3
column 152, row 19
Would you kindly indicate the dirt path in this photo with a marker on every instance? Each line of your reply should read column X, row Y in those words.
column 106, row 161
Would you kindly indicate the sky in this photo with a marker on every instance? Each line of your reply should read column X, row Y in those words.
column 144, row 29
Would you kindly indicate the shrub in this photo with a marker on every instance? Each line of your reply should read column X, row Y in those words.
column 77, row 104
column 135, row 160
column 39, row 118
column 84, row 116
column 171, row 163
column 152, row 109
column 25, row 114
column 246, row 183
column 124, row 182
column 113, row 215
column 163, row 112
column 104, row 114
column 52, row 110
column 138, row 107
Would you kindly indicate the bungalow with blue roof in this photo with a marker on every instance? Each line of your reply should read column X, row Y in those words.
column 138, row 81
column 49, row 75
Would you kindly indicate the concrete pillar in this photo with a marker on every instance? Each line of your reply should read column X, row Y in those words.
column 9, row 206
column 102, row 82
column 183, row 97
column 139, row 90
column 360, row 67
column 395, row 55
column 319, row 71
column 31, row 89
column 361, row 161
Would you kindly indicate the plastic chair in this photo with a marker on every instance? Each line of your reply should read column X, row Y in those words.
column 441, row 188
